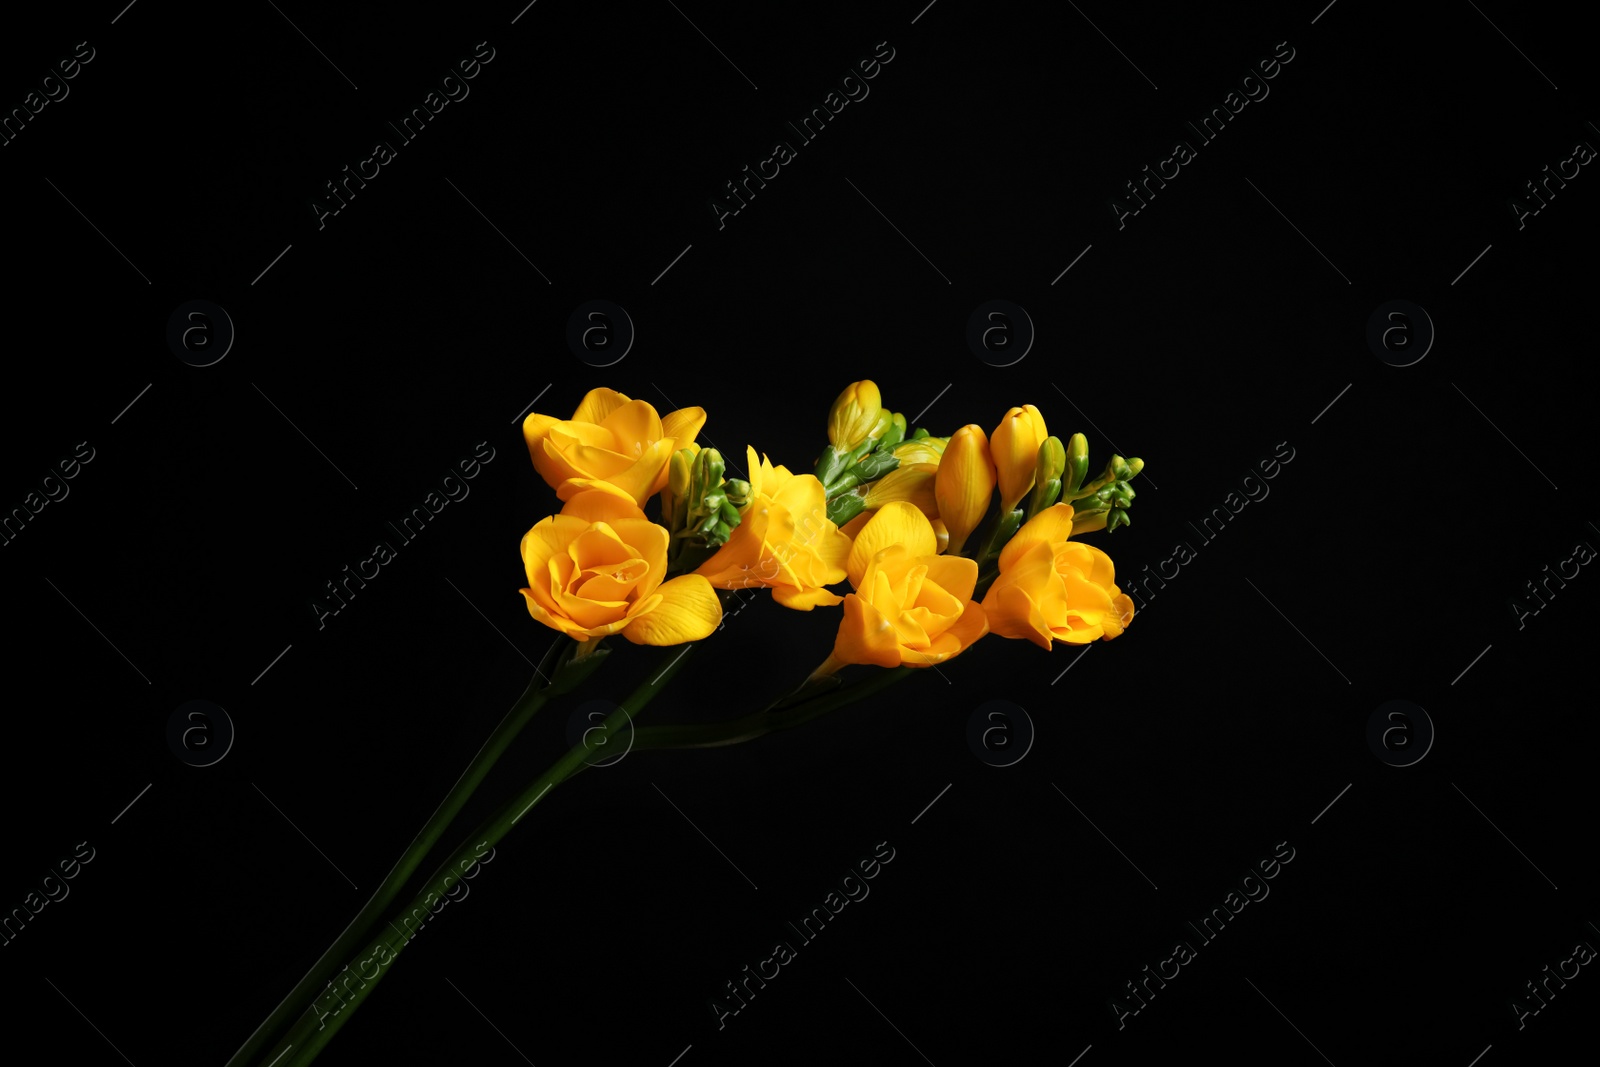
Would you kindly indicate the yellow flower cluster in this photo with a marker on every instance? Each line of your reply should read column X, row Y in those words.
column 909, row 554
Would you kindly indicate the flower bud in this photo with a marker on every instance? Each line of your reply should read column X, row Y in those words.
column 1014, row 446
column 894, row 434
column 1047, row 473
column 964, row 483
column 678, row 472
column 855, row 415
column 1088, row 521
column 1077, row 464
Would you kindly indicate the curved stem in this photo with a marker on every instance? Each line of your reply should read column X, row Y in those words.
column 758, row 724
column 317, row 1025
column 360, row 928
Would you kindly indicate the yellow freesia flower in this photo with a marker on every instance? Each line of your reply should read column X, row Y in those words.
column 1052, row 589
column 964, row 483
column 611, row 443
column 910, row 607
column 784, row 540
column 1014, row 446
column 596, row 569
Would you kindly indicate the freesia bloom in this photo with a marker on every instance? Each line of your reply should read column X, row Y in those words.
column 1052, row 589
column 1014, row 446
column 784, row 540
column 611, row 443
column 911, row 607
column 596, row 569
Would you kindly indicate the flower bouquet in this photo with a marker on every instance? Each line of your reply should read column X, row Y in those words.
column 941, row 541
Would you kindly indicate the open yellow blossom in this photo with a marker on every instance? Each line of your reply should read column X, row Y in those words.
column 1014, row 446
column 596, row 569
column 611, row 443
column 1052, row 589
column 910, row 607
column 784, row 540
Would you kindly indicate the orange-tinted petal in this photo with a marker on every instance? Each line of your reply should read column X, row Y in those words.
column 865, row 636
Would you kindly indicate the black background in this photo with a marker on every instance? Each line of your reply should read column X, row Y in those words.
column 1200, row 336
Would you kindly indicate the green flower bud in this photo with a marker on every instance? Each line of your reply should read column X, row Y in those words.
column 1051, row 465
column 1077, row 464
column 894, row 434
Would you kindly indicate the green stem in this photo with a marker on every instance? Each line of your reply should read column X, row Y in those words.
column 317, row 1025
column 760, row 723
column 360, row 928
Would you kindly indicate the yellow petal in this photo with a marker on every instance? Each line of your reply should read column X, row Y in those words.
column 551, row 619
column 536, row 427
column 852, row 529
column 865, row 636
column 962, row 633
column 635, row 425
column 596, row 505
column 639, row 481
column 804, row 599
column 550, row 464
column 737, row 564
column 597, row 404
column 685, row 609
column 570, row 488
column 1088, row 561
column 956, row 575
column 650, row 542
column 896, row 523
column 683, row 426
column 753, row 465
column 1014, row 604
column 1052, row 526
column 547, row 538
